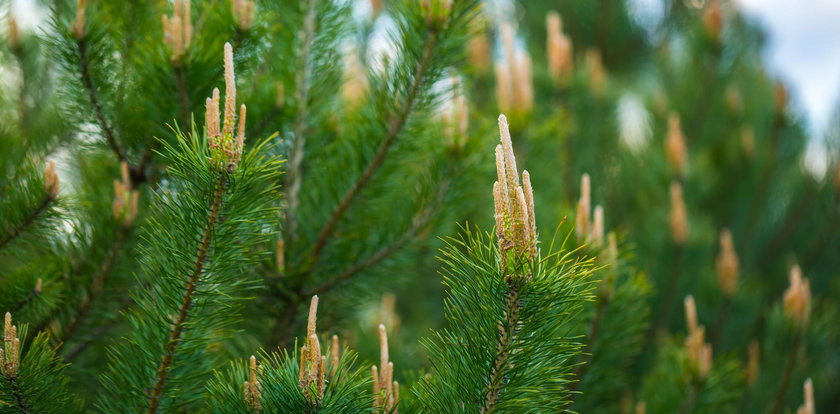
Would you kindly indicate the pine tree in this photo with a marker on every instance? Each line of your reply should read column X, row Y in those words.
column 149, row 250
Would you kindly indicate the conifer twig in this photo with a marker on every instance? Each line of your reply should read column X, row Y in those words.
column 396, row 125
column 189, row 290
column 90, row 87
column 789, row 367
column 27, row 221
column 302, row 87
column 503, row 349
column 95, row 287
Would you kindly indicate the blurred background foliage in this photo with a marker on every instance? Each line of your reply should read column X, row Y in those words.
column 682, row 132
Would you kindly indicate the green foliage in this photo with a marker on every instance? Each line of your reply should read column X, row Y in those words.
column 471, row 368
column 192, row 285
column 673, row 385
column 347, row 390
column 39, row 384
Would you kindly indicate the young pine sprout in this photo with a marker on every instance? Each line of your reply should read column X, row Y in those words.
column 14, row 33
column 385, row 389
column 78, row 27
column 753, row 359
column 583, row 208
column 252, row 387
column 312, row 374
column 596, row 236
column 125, row 199
column 807, row 407
column 678, row 220
column 243, row 13
column 51, row 181
column 516, row 228
column 225, row 148
column 727, row 264
column 699, row 352
column 177, row 31
column 797, row 298
column 713, row 19
column 675, row 148
column 748, row 140
column 558, row 48
column 597, row 72
column 10, row 353
column 514, row 85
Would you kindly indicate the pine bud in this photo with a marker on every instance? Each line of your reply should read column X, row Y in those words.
column 124, row 206
column 807, row 407
column 280, row 95
column 355, row 86
column 780, row 97
column 377, row 6
column 225, row 148
column 641, row 407
column 713, row 20
column 675, row 148
column 515, row 227
column 727, row 264
column 436, row 11
column 596, row 237
column 51, row 180
column 595, row 69
column 14, row 33
column 514, row 80
column 252, row 389
column 377, row 397
column 383, row 382
column 753, row 354
column 243, row 13
column 311, row 322
column 39, row 286
column 679, row 217
column 558, row 48
column 177, row 31
column 10, row 353
column 837, row 177
column 335, row 356
column 455, row 118
column 797, row 298
column 280, row 254
column 748, row 140
column 583, row 208
column 387, row 312
column 734, row 101
column 699, row 352
column 79, row 23
column 478, row 50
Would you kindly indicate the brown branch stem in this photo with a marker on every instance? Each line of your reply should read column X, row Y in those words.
column 90, row 87
column 507, row 337
column 187, row 302
column 396, row 126
column 27, row 221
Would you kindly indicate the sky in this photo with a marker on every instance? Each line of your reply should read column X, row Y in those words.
column 804, row 50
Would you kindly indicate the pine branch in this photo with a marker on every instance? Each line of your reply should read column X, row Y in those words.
column 192, row 282
column 507, row 337
column 90, row 87
column 591, row 338
column 781, row 392
column 95, row 288
column 396, row 126
column 302, row 86
column 20, row 401
column 373, row 259
column 27, row 221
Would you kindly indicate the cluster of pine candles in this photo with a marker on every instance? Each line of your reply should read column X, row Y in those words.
column 183, row 243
